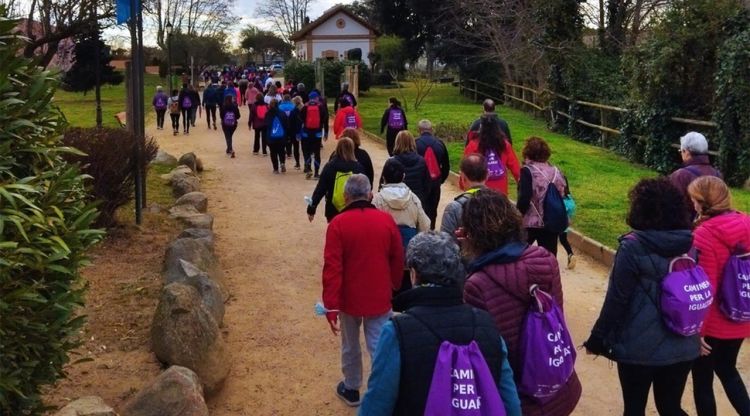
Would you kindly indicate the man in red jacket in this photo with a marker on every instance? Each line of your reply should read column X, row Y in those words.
column 363, row 264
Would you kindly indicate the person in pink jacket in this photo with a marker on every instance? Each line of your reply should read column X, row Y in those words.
column 720, row 232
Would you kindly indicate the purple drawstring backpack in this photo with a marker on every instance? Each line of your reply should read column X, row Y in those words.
column 462, row 384
column 685, row 296
column 547, row 352
column 735, row 288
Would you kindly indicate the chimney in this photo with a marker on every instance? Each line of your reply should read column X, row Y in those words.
column 307, row 21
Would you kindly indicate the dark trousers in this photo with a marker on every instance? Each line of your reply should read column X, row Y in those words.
column 175, row 121
column 160, row 118
column 278, row 155
column 668, row 381
column 260, row 139
column 723, row 362
column 186, row 120
column 211, row 114
column 193, row 113
column 228, row 133
column 543, row 238
column 565, row 243
column 430, row 204
column 310, row 150
column 242, row 95
column 292, row 147
column 390, row 140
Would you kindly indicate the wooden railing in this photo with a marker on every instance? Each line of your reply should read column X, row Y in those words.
column 538, row 102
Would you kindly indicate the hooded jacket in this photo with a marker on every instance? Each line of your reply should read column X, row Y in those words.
column 417, row 177
column 630, row 328
column 507, row 158
column 499, row 283
column 339, row 123
column 405, row 208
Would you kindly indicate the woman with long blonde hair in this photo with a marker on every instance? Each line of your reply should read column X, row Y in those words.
column 417, row 176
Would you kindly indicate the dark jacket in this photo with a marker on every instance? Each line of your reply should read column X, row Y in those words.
column 225, row 109
column 499, row 283
column 195, row 97
column 270, row 115
column 254, row 120
column 384, row 119
column 212, row 96
column 697, row 166
column 432, row 312
column 417, row 177
column 345, row 94
column 630, row 328
column 295, row 123
column 503, row 127
column 185, row 93
column 441, row 153
column 314, row 133
column 325, row 185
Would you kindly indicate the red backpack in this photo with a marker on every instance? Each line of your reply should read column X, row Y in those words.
column 433, row 167
column 312, row 119
column 260, row 111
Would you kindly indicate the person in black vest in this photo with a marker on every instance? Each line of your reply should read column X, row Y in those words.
column 230, row 115
column 427, row 141
column 408, row 346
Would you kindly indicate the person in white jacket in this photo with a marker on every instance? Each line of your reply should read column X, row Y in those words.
column 398, row 200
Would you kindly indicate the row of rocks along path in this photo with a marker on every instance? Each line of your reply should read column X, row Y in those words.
column 285, row 360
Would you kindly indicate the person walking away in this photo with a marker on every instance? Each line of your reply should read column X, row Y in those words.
column 346, row 118
column 159, row 102
column 501, row 272
column 433, row 313
column 302, row 93
column 361, row 154
column 286, row 105
column 533, row 193
column 230, row 116
column 488, row 106
column 345, row 95
column 392, row 122
column 436, row 158
column 630, row 329
column 721, row 233
column 315, row 119
column 695, row 163
column 252, row 92
column 363, row 261
column 272, row 94
column 174, row 111
column 243, row 84
column 417, row 178
column 211, row 100
column 186, row 105
column 398, row 200
column 295, row 128
column 257, row 122
column 570, row 211
column 499, row 154
column 335, row 173
column 473, row 175
column 195, row 98
column 277, row 125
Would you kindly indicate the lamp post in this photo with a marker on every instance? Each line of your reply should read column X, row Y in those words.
column 169, row 56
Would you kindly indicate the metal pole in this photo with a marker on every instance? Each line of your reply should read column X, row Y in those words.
column 169, row 61
column 136, row 87
column 141, row 105
column 97, row 69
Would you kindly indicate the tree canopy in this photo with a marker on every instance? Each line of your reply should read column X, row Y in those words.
column 264, row 44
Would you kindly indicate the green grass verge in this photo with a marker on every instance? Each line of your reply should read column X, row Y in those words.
column 599, row 178
column 80, row 109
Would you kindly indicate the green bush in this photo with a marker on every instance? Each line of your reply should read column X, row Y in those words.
column 303, row 71
column 300, row 71
column 451, row 132
column 110, row 163
column 45, row 230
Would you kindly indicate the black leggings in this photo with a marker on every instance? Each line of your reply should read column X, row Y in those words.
column 278, row 156
column 260, row 138
column 565, row 243
column 723, row 362
column 543, row 238
column 310, row 149
column 160, row 118
column 292, row 147
column 228, row 133
column 211, row 114
column 430, row 204
column 390, row 140
column 668, row 381
column 175, row 121
column 186, row 120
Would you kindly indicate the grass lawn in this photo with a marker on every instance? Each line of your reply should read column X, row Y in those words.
column 599, row 179
column 80, row 109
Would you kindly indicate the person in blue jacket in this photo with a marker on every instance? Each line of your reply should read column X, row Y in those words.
column 295, row 125
column 404, row 360
column 212, row 99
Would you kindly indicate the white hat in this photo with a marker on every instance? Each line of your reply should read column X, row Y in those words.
column 695, row 143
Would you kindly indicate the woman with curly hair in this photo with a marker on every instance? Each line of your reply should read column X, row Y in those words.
column 496, row 149
column 630, row 329
column 502, row 269
column 720, row 232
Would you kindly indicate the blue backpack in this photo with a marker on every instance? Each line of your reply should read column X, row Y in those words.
column 277, row 129
column 555, row 215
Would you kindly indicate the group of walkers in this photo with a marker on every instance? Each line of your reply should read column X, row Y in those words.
column 479, row 324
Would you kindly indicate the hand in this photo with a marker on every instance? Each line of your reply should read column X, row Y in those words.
column 705, row 348
column 333, row 321
column 311, row 217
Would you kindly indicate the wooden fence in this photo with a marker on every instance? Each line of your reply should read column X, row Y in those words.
column 538, row 102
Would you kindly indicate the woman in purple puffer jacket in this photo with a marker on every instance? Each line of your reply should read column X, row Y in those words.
column 503, row 269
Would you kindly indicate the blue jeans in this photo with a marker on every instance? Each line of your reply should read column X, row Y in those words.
column 351, row 352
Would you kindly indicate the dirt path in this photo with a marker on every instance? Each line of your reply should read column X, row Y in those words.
column 286, row 362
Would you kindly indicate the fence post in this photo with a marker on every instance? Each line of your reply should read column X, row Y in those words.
column 603, row 122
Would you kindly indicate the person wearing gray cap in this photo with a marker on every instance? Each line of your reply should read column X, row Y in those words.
column 695, row 163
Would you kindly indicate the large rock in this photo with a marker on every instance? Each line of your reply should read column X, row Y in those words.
column 176, row 392
column 193, row 219
column 202, row 234
column 184, row 184
column 197, row 200
column 196, row 251
column 190, row 160
column 184, row 333
column 87, row 406
column 164, row 158
column 211, row 292
column 179, row 170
